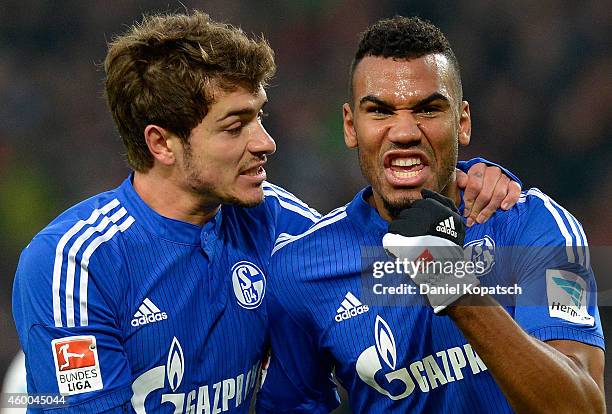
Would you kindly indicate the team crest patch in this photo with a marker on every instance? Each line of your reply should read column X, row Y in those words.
column 483, row 251
column 77, row 367
column 249, row 284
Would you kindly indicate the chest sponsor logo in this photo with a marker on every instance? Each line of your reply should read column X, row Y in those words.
column 224, row 395
column 481, row 251
column 249, row 284
column 427, row 373
column 568, row 297
column 77, row 367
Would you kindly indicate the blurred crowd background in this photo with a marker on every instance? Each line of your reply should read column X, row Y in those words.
column 537, row 75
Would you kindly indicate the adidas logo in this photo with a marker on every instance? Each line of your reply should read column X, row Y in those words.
column 447, row 227
column 350, row 306
column 148, row 313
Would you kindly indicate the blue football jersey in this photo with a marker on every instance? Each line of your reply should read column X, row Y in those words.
column 401, row 357
column 123, row 310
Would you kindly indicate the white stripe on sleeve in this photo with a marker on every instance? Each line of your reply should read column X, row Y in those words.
column 59, row 256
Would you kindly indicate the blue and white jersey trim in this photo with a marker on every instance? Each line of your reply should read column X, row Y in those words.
column 69, row 247
column 577, row 246
column 290, row 202
column 284, row 239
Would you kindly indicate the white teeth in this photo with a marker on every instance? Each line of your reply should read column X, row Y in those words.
column 253, row 171
column 406, row 174
column 405, row 162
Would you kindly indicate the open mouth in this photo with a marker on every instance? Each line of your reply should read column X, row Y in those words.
column 406, row 170
column 256, row 173
column 406, row 167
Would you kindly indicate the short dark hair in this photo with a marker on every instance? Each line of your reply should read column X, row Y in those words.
column 162, row 71
column 403, row 38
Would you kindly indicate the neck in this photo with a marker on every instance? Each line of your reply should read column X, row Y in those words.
column 452, row 191
column 166, row 198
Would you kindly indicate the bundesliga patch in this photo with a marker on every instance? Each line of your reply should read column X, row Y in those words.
column 568, row 297
column 77, row 367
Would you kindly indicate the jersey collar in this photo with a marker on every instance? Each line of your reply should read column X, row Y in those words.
column 164, row 227
column 361, row 212
column 210, row 236
column 364, row 215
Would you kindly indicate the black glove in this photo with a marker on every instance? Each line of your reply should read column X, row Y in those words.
column 431, row 230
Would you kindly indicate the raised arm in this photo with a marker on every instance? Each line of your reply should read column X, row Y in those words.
column 559, row 376
column 547, row 357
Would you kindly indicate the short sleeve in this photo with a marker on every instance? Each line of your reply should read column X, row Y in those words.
column 72, row 341
column 289, row 215
column 559, row 291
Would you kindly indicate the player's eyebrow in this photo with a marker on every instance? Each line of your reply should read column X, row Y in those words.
column 436, row 96
column 375, row 100
column 423, row 102
column 242, row 111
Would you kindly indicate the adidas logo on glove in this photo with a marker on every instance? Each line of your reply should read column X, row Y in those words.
column 447, row 227
column 415, row 231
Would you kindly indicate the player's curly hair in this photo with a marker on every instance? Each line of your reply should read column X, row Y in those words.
column 402, row 38
column 163, row 70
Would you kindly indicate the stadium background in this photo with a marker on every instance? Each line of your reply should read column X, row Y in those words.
column 537, row 75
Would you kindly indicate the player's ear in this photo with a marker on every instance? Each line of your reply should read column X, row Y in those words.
column 465, row 124
column 350, row 137
column 160, row 143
